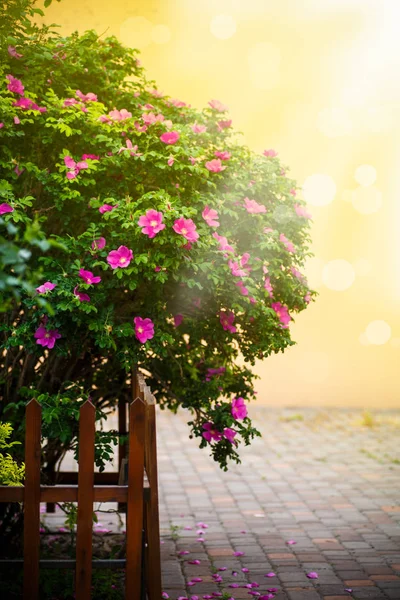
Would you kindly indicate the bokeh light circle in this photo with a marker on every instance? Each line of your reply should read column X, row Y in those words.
column 378, row 332
column 136, row 32
column 367, row 200
column 223, row 27
column 264, row 65
column 161, row 34
column 313, row 271
column 338, row 275
column 365, row 175
column 319, row 189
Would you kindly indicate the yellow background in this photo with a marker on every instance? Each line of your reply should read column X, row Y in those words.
column 318, row 80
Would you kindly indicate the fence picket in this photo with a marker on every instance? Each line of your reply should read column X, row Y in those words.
column 83, row 575
column 153, row 562
column 32, row 500
column 134, row 516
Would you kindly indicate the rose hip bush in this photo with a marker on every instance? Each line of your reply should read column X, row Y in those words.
column 174, row 249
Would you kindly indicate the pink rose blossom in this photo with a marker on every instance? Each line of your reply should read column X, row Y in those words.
column 243, row 289
column 12, row 52
column 120, row 258
column 218, row 106
column 1, row 125
column 215, row 373
column 253, row 207
column 211, row 433
column 170, row 137
column 229, row 434
column 90, row 157
column 224, row 124
column 210, row 216
column 238, row 408
column 226, row 319
column 88, row 277
column 46, row 287
column 5, row 208
column 178, row 103
column 199, row 128
column 119, row 115
column 151, row 223
column 223, row 155
column 81, row 295
column 302, row 212
column 223, row 243
column 293, row 192
column 268, row 286
column 16, row 121
column 170, row 161
column 288, row 245
column 19, row 171
column 74, row 167
column 99, row 243
column 28, row 104
column 215, row 165
column 69, row 102
column 15, row 85
column 268, row 230
column 270, row 153
column 187, row 228
column 106, row 208
column 46, row 338
column 192, row 160
column 307, row 298
column 283, row 314
column 144, row 329
column 178, row 319
column 90, row 97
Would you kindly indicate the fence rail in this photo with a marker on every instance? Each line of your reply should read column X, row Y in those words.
column 140, row 495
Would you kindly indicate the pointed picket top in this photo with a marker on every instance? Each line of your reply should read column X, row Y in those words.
column 137, row 399
column 33, row 404
column 87, row 407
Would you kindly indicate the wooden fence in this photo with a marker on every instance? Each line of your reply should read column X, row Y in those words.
column 142, row 563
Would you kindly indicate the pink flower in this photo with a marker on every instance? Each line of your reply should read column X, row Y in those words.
column 16, row 121
column 268, row 286
column 223, row 243
column 271, row 574
column 28, row 104
column 19, row 171
column 215, row 373
column 288, row 245
column 144, row 329
column 282, row 312
column 218, row 106
column 88, row 277
column 178, row 103
column 270, row 153
column 99, row 243
column 170, row 161
column 243, row 289
column 229, row 434
column 302, row 212
column 223, row 155
column 12, row 52
column 187, row 228
column 211, row 433
column 169, row 137
column 291, row 542
column 81, row 295
column 90, row 157
column 151, row 223
column 199, row 128
column 86, row 97
column 307, row 298
column 192, row 160
column 253, row 207
column 106, row 208
column 46, row 338
column 178, row 320
column 238, row 408
column 238, row 553
column 1, row 125
column 74, row 167
column 69, row 102
column 226, row 319
column 15, row 85
column 224, row 124
column 119, row 115
column 210, row 216
column 215, row 165
column 46, row 287
column 120, row 258
column 268, row 230
column 5, row 208
column 312, row 575
column 293, row 192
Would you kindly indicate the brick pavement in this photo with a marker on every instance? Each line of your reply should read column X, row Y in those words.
column 322, row 479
